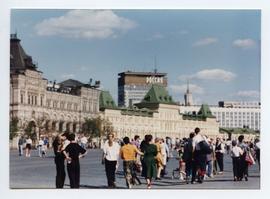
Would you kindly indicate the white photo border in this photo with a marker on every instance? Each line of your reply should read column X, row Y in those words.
column 5, row 10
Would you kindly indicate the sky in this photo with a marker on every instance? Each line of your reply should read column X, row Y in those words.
column 218, row 51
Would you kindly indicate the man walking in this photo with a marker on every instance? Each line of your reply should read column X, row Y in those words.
column 128, row 154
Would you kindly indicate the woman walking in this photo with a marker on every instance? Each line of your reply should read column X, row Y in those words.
column 159, row 159
column 150, row 152
column 59, row 161
column 28, row 147
column 111, row 152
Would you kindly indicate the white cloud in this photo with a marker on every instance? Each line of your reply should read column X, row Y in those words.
column 244, row 43
column 182, row 88
column 155, row 36
column 249, row 93
column 90, row 24
column 205, row 41
column 67, row 76
column 211, row 74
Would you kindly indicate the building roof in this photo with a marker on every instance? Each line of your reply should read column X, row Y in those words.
column 19, row 60
column 239, row 131
column 142, row 73
column 157, row 95
column 71, row 83
column 205, row 111
column 106, row 101
column 202, row 114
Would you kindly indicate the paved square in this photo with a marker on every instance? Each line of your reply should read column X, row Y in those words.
column 36, row 172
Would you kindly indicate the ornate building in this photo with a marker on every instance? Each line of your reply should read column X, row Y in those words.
column 156, row 114
column 49, row 107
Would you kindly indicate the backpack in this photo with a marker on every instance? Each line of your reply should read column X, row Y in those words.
column 204, row 147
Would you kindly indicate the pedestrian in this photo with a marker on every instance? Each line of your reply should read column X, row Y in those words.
column 136, row 141
column 219, row 150
column 165, row 156
column 44, row 148
column 28, row 147
column 59, row 160
column 187, row 157
column 150, row 152
column 243, row 162
column 73, row 152
column 159, row 160
column 111, row 152
column 40, row 145
column 210, row 159
column 199, row 156
column 142, row 149
column 236, row 152
column 257, row 150
column 128, row 153
column 83, row 141
column 20, row 145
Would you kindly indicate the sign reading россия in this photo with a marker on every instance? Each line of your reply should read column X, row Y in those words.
column 152, row 80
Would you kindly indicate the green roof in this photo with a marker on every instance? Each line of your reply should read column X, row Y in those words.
column 137, row 112
column 239, row 131
column 106, row 101
column 159, row 95
column 205, row 112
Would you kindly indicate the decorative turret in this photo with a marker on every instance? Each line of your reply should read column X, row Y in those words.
column 19, row 60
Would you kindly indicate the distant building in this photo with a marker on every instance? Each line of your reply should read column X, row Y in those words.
column 133, row 86
column 233, row 114
column 53, row 107
column 156, row 114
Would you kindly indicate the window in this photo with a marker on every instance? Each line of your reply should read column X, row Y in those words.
column 29, row 99
column 41, row 100
column 35, row 100
column 21, row 98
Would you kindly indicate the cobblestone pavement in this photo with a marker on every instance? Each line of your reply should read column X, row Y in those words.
column 36, row 172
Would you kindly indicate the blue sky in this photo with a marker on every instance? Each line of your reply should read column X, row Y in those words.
column 217, row 50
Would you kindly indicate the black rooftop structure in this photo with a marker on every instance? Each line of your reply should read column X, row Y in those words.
column 71, row 83
column 19, row 60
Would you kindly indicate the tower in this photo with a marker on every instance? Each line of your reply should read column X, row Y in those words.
column 188, row 96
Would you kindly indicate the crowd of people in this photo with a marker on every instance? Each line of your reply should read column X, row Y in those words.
column 199, row 157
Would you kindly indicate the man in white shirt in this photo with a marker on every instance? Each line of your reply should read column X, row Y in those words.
column 198, row 156
column 111, row 152
column 220, row 150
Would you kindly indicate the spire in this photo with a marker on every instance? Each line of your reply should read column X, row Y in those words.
column 187, row 86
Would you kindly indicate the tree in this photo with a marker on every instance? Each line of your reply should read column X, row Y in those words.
column 30, row 130
column 91, row 128
column 13, row 128
column 96, row 127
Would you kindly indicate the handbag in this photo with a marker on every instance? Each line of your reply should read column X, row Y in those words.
column 249, row 159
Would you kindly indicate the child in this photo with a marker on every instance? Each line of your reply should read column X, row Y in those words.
column 236, row 152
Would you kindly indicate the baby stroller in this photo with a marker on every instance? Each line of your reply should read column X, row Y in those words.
column 180, row 171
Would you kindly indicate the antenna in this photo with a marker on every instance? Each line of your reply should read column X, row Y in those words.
column 155, row 64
